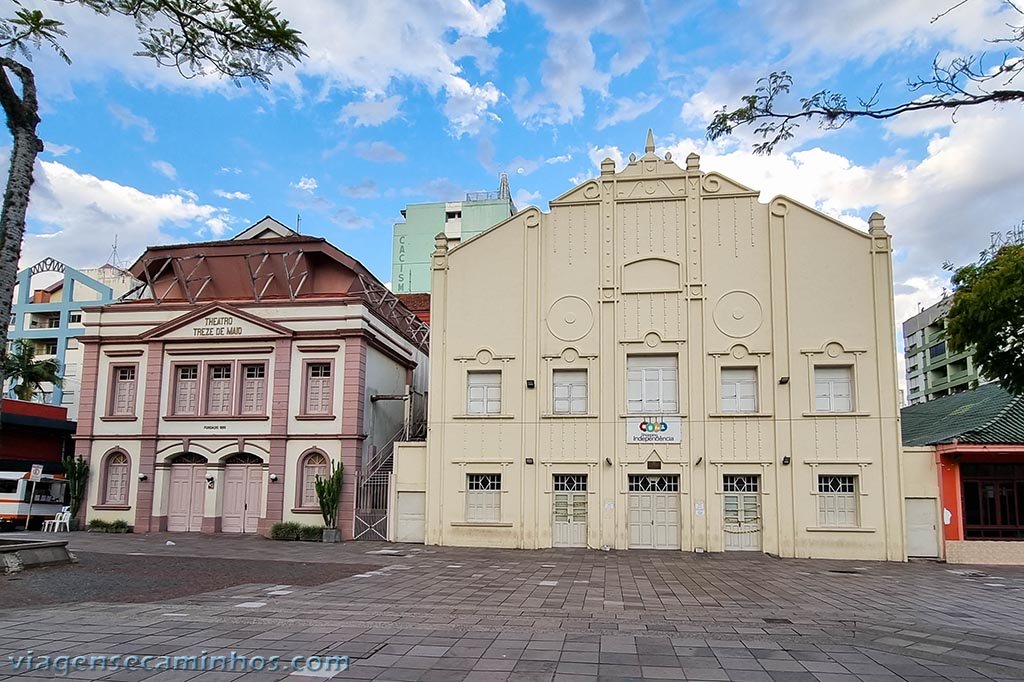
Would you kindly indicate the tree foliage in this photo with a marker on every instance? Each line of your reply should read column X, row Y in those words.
column 26, row 373
column 962, row 81
column 987, row 315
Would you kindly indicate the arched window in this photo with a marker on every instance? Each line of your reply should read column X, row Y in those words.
column 115, row 479
column 313, row 465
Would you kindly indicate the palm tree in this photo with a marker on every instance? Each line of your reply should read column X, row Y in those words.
column 22, row 369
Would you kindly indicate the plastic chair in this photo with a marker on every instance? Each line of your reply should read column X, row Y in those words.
column 62, row 519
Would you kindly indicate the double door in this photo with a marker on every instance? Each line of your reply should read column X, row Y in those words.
column 243, row 497
column 187, row 498
column 569, row 523
column 741, row 502
column 654, row 512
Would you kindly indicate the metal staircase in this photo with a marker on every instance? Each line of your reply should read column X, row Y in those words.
column 373, row 485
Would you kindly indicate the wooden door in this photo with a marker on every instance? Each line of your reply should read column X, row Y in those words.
column 187, row 499
column 742, row 513
column 233, row 514
column 253, row 498
column 243, row 498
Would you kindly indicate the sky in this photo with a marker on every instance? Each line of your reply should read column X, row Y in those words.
column 410, row 101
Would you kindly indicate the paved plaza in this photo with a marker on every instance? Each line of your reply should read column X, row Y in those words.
column 408, row 612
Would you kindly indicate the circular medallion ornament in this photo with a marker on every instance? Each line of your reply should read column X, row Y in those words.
column 570, row 318
column 738, row 314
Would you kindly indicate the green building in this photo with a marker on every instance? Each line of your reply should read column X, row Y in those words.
column 414, row 239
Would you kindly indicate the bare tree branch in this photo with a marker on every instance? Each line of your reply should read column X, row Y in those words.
column 961, row 82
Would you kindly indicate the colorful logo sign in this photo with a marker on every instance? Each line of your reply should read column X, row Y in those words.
column 653, row 426
column 654, row 429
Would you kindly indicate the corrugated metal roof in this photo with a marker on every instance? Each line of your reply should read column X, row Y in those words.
column 987, row 414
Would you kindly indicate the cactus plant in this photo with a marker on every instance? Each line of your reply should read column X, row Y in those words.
column 328, row 493
column 76, row 473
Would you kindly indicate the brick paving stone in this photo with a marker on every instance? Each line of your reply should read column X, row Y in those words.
column 447, row 613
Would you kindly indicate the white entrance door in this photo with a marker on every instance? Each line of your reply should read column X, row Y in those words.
column 569, row 522
column 922, row 527
column 742, row 512
column 243, row 488
column 410, row 523
column 654, row 512
column 187, row 498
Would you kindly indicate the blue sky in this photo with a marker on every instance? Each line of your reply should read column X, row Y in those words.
column 416, row 101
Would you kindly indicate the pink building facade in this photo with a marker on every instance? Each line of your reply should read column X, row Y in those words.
column 248, row 368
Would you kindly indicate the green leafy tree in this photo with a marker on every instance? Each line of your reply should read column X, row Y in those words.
column 963, row 81
column 987, row 315
column 26, row 373
column 243, row 40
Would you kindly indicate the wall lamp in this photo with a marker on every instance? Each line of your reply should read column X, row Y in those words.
column 783, row 381
column 273, row 478
column 143, row 477
column 786, row 459
column 608, row 461
column 209, row 481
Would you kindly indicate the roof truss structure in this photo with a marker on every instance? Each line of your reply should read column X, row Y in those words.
column 386, row 304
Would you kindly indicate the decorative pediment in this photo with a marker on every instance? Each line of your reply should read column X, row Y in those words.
column 216, row 321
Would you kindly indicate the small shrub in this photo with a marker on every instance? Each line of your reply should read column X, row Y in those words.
column 119, row 526
column 311, row 533
column 99, row 525
column 285, row 530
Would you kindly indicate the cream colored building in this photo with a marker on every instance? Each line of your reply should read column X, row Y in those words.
column 662, row 362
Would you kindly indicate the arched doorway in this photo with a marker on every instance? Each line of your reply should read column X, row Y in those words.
column 187, row 498
column 243, row 493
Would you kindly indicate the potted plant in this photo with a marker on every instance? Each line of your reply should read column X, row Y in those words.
column 76, row 473
column 328, row 493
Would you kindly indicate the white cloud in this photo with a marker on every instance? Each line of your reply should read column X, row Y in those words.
column 388, row 41
column 372, row 111
column 524, row 198
column 468, row 106
column 570, row 67
column 629, row 109
column 871, row 28
column 75, row 217
column 940, row 208
column 353, row 46
column 129, row 119
column 58, row 150
column 305, row 184
column 367, row 189
column 599, row 154
column 439, row 189
column 381, row 152
column 166, row 169
column 240, row 196
column 563, row 158
column 230, row 170
column 348, row 218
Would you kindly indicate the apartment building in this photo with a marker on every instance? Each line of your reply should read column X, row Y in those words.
column 933, row 369
column 413, row 239
column 47, row 310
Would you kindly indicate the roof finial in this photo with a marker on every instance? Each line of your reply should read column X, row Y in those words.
column 649, row 147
